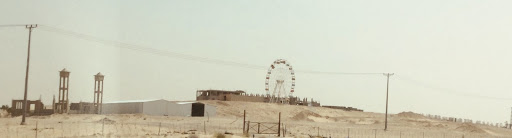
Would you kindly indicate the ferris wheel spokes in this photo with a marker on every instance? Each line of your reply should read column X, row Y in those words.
column 280, row 76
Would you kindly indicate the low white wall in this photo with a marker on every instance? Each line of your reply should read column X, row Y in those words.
column 122, row 108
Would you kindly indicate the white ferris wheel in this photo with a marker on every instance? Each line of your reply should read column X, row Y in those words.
column 280, row 81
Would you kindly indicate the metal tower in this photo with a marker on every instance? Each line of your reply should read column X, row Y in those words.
column 63, row 104
column 98, row 92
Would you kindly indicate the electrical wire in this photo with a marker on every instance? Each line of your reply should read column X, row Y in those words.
column 178, row 55
column 13, row 25
column 231, row 63
column 149, row 50
column 335, row 73
column 437, row 89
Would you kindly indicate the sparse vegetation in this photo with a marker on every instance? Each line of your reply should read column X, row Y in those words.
column 4, row 107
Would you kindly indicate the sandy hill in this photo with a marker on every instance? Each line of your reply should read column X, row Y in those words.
column 299, row 121
column 335, row 119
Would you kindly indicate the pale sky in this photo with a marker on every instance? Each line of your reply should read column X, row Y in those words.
column 450, row 58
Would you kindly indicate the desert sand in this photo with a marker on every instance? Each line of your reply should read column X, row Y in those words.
column 299, row 121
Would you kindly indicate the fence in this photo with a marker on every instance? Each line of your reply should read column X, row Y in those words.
column 46, row 129
column 303, row 130
column 109, row 128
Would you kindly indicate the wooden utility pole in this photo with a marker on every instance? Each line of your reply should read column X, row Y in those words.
column 26, row 74
column 279, row 126
column 244, row 124
column 510, row 123
column 387, row 93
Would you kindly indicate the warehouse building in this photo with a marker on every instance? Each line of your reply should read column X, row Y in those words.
column 159, row 107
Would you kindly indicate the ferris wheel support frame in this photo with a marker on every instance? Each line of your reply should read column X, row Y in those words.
column 280, row 84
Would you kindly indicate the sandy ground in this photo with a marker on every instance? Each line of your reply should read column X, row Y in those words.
column 299, row 121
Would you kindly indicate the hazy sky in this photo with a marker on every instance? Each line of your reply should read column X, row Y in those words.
column 451, row 58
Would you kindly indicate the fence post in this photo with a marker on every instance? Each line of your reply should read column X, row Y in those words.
column 375, row 133
column 62, row 129
column 258, row 128
column 103, row 127
column 248, row 126
column 244, row 124
column 400, row 134
column 160, row 125
column 36, row 128
column 204, row 127
column 318, row 131
column 279, row 126
column 79, row 129
column 348, row 132
column 284, row 133
column 86, row 131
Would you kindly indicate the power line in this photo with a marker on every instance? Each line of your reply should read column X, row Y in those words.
column 335, row 73
column 13, row 25
column 445, row 90
column 230, row 63
column 178, row 55
column 148, row 50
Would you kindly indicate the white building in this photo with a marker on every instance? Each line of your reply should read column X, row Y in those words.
column 158, row 107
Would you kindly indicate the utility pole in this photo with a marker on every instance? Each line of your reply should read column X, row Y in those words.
column 26, row 74
column 510, row 123
column 387, row 93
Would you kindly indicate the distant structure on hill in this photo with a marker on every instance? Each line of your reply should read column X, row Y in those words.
column 343, row 108
column 62, row 104
column 239, row 95
column 36, row 110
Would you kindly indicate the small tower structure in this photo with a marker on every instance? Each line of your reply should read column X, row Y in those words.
column 98, row 92
column 63, row 101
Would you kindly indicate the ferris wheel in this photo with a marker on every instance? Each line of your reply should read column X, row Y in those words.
column 280, row 81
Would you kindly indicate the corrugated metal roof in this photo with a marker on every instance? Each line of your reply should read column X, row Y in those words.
column 142, row 101
column 184, row 102
column 226, row 91
column 134, row 101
